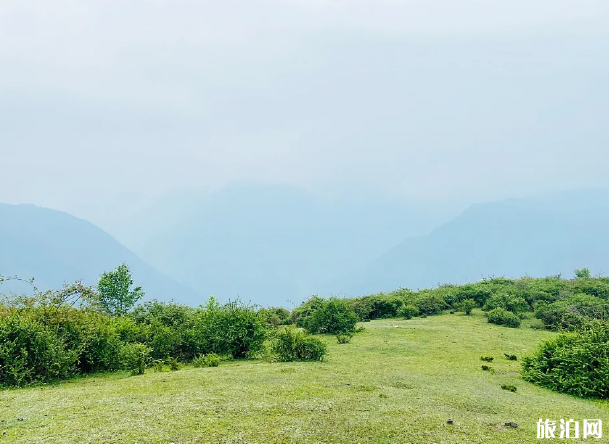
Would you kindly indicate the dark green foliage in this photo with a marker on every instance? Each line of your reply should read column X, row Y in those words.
column 572, row 312
column 275, row 316
column 576, row 363
column 509, row 388
column 430, row 304
column 115, row 292
column 158, row 365
column 290, row 344
column 478, row 292
column 385, row 306
column 509, row 302
column 487, row 358
column 231, row 329
column 584, row 273
column 408, row 311
column 487, row 368
column 344, row 338
column 500, row 316
column 300, row 314
column 332, row 316
column 135, row 357
column 510, row 357
column 174, row 365
column 30, row 353
column 466, row 306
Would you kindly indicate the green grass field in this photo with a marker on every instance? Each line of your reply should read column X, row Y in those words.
column 389, row 385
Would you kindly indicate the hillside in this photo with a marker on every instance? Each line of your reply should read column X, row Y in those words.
column 388, row 385
column 54, row 247
column 539, row 236
column 270, row 244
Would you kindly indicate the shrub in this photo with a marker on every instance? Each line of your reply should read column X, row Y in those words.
column 332, row 316
column 487, row 358
column 300, row 314
column 487, row 368
column 344, row 338
column 211, row 360
column 509, row 302
column 30, row 353
column 231, row 329
column 135, row 358
column 510, row 357
column 158, row 365
column 384, row 306
column 275, row 316
column 572, row 312
column 576, row 363
column 509, row 388
column 292, row 345
column 430, row 304
column 174, row 365
column 500, row 316
column 467, row 306
column 408, row 311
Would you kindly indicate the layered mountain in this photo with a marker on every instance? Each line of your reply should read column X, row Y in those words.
column 541, row 236
column 271, row 244
column 54, row 247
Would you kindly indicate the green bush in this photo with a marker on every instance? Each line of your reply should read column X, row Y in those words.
column 344, row 338
column 211, row 360
column 500, row 316
column 31, row 353
column 384, row 306
column 509, row 302
column 135, row 358
column 276, row 316
column 430, row 304
column 290, row 344
column 332, row 316
column 466, row 306
column 572, row 312
column 408, row 311
column 576, row 363
column 231, row 329
column 509, row 388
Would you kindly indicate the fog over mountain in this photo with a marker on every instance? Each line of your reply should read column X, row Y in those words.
column 54, row 247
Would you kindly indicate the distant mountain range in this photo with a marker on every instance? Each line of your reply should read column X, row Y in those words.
column 548, row 235
column 271, row 244
column 54, row 247
column 275, row 244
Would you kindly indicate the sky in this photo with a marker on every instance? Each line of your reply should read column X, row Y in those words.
column 107, row 105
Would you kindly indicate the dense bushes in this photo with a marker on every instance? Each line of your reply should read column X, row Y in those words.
column 501, row 316
column 408, row 311
column 135, row 357
column 332, row 316
column 576, row 363
column 231, row 329
column 41, row 342
column 572, row 312
column 30, row 352
column 290, row 344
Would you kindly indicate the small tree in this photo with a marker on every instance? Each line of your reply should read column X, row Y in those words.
column 115, row 293
column 584, row 273
column 467, row 306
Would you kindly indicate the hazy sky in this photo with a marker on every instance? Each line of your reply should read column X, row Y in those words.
column 109, row 103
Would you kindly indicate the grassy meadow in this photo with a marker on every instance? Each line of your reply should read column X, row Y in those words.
column 399, row 381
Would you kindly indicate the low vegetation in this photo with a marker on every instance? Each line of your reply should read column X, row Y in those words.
column 78, row 330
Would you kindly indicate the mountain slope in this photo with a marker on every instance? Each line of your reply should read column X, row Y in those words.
column 54, row 247
column 271, row 244
column 537, row 236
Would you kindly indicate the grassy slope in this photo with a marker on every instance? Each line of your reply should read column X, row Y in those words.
column 390, row 385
